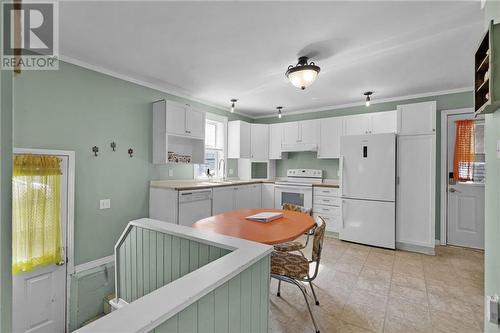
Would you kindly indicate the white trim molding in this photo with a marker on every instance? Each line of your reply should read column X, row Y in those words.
column 93, row 264
column 443, row 187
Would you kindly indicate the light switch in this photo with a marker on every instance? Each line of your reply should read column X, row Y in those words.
column 498, row 149
column 105, row 204
column 492, row 310
column 170, row 172
column 230, row 171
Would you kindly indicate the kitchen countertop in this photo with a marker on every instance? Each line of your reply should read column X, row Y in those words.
column 181, row 185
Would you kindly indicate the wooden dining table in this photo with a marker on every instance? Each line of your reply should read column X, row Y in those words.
column 234, row 223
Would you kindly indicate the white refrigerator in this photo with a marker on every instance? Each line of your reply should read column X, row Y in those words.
column 368, row 189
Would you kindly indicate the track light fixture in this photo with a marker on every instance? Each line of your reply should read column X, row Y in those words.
column 232, row 104
column 368, row 94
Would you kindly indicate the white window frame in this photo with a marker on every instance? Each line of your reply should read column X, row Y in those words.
column 223, row 120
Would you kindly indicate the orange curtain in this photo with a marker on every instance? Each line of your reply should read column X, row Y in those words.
column 463, row 163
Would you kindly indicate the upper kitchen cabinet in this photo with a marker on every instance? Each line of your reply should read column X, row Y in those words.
column 384, row 122
column 359, row 124
column 300, row 135
column 178, row 133
column 275, row 138
column 329, row 142
column 259, row 142
column 486, row 77
column 371, row 123
column 417, row 118
column 238, row 139
column 183, row 120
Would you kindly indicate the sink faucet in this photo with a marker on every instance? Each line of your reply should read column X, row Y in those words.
column 223, row 162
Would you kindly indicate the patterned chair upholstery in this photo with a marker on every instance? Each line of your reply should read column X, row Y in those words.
column 293, row 245
column 295, row 268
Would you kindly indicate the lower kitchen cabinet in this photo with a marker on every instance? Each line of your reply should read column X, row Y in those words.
column 229, row 198
column 326, row 203
column 267, row 195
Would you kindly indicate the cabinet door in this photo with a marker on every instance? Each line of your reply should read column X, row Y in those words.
column 255, row 196
column 290, row 133
column 416, row 190
column 384, row 122
column 195, row 123
column 259, row 142
column 242, row 197
column 275, row 137
column 238, row 139
column 309, row 131
column 418, row 118
column 176, row 118
column 267, row 195
column 329, row 142
column 357, row 125
column 222, row 200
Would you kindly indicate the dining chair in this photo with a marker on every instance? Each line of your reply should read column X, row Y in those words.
column 294, row 245
column 294, row 268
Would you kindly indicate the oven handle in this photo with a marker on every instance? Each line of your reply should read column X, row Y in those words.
column 298, row 188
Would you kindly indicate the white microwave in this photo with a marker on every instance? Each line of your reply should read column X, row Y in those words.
column 299, row 195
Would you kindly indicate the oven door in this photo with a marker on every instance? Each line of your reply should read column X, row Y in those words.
column 293, row 194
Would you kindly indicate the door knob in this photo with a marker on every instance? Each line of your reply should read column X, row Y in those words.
column 452, row 190
column 60, row 263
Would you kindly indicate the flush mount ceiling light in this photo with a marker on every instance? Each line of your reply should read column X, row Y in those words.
column 279, row 108
column 232, row 104
column 303, row 74
column 368, row 94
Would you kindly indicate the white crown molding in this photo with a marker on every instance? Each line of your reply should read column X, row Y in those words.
column 373, row 102
column 128, row 78
column 163, row 89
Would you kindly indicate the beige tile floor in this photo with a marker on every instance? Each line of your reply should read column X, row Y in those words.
column 366, row 289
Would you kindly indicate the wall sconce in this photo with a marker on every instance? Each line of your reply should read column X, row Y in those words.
column 131, row 152
column 113, row 145
column 95, row 150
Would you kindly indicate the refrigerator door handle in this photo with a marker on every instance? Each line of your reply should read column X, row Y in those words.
column 342, row 213
column 341, row 167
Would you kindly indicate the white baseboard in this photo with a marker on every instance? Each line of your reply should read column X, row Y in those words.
column 438, row 242
column 415, row 248
column 93, row 264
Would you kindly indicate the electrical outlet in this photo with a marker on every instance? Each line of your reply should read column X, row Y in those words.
column 170, row 172
column 105, row 204
column 231, row 172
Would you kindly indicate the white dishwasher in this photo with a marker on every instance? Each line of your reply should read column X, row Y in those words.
column 194, row 205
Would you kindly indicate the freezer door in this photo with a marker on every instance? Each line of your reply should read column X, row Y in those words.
column 368, row 166
column 368, row 222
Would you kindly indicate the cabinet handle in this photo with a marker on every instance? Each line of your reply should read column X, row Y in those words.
column 434, row 130
column 188, row 131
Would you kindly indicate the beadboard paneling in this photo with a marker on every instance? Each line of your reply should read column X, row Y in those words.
column 148, row 260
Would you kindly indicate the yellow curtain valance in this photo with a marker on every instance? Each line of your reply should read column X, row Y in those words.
column 36, row 165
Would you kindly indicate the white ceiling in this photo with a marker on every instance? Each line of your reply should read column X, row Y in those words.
column 215, row 51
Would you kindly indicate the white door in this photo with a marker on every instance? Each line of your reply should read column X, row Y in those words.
column 465, row 208
column 176, row 118
column 195, row 123
column 466, row 215
column 416, row 190
column 357, row 125
column 222, row 200
column 259, row 142
column 309, row 131
column 417, row 118
column 368, row 222
column 290, row 133
column 369, row 167
column 384, row 122
column 329, row 142
column 39, row 296
column 275, row 137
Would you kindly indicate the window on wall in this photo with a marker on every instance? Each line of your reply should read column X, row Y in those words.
column 215, row 137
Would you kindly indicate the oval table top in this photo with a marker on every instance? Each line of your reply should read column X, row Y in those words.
column 233, row 223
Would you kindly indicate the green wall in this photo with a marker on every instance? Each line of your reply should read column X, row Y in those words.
column 308, row 159
column 75, row 109
column 492, row 194
column 6, row 101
